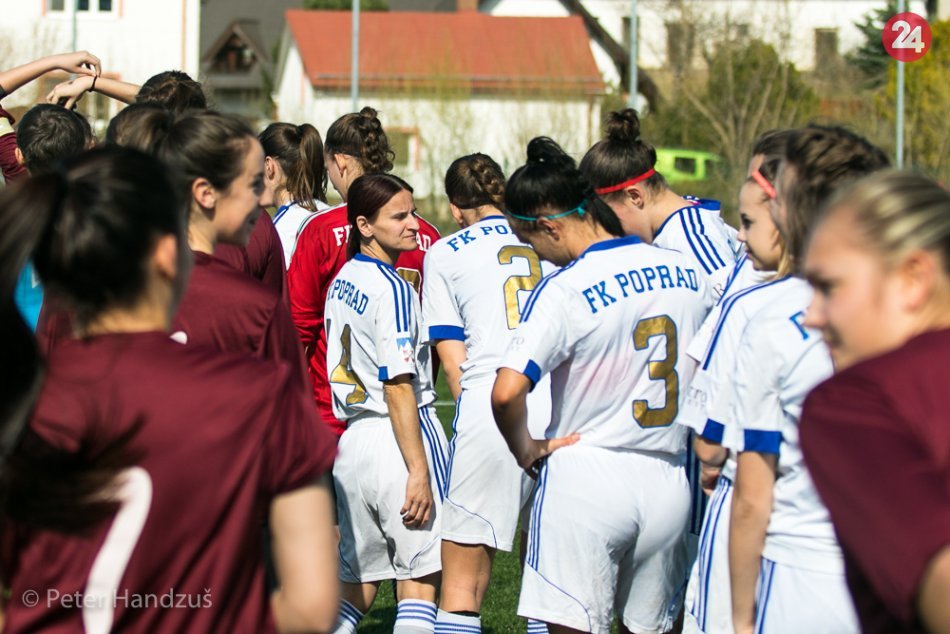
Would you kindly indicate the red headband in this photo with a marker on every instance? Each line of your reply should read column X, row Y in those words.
column 633, row 181
column 763, row 183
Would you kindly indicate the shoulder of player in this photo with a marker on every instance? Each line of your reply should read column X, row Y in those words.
column 320, row 222
column 230, row 286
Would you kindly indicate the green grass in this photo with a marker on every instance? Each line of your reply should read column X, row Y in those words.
column 501, row 602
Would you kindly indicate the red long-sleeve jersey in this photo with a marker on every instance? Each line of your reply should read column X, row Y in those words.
column 319, row 256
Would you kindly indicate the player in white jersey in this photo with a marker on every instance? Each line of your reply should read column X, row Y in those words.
column 608, row 523
column 476, row 282
column 708, row 601
column 786, row 568
column 391, row 469
column 295, row 179
column 621, row 169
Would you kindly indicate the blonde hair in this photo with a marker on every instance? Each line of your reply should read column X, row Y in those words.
column 896, row 213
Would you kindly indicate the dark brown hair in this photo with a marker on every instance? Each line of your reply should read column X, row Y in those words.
column 361, row 136
column 175, row 90
column 368, row 194
column 821, row 160
column 475, row 180
column 621, row 155
column 90, row 230
column 140, row 125
column 48, row 134
column 299, row 151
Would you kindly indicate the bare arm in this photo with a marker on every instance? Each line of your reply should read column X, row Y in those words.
column 404, row 414
column 80, row 63
column 932, row 601
column 452, row 354
column 751, row 508
column 711, row 456
column 509, row 403
column 73, row 90
column 305, row 553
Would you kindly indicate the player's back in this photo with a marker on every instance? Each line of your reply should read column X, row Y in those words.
column 213, row 438
column 700, row 233
column 477, row 282
column 372, row 336
column 617, row 322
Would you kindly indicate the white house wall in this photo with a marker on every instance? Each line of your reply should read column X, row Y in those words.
column 148, row 37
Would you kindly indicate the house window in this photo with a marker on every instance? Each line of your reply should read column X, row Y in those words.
column 57, row 5
column 679, row 44
column 400, row 142
column 105, row 6
column 82, row 5
column 234, row 57
column 826, row 47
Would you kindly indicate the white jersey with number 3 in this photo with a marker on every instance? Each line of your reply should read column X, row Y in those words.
column 372, row 336
column 612, row 329
column 477, row 281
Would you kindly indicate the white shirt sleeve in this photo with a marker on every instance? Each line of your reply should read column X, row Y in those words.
column 441, row 317
column 755, row 413
column 543, row 340
column 396, row 334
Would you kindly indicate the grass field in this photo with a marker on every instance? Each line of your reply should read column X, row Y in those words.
column 498, row 612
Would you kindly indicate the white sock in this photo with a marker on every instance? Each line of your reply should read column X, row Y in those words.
column 349, row 618
column 449, row 623
column 537, row 627
column 414, row 616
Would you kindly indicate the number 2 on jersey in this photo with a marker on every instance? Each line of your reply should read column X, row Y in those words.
column 662, row 370
column 517, row 283
column 343, row 373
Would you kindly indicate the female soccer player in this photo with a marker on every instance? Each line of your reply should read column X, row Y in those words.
column 476, row 283
column 708, row 602
column 608, row 522
column 879, row 263
column 784, row 560
column 355, row 145
column 120, row 512
column 295, row 178
column 391, row 470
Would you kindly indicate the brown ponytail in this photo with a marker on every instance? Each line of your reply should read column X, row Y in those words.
column 475, row 180
column 361, row 136
column 299, row 151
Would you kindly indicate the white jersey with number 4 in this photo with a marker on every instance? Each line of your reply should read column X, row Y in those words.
column 372, row 336
column 612, row 329
column 477, row 282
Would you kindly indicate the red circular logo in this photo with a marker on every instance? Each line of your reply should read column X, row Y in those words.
column 907, row 37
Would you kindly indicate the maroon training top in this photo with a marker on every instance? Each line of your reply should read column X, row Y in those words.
column 230, row 311
column 221, row 435
column 876, row 439
column 262, row 259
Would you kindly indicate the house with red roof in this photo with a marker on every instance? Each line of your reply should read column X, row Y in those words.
column 445, row 84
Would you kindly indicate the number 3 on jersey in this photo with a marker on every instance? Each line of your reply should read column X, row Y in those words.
column 662, row 370
column 517, row 283
column 343, row 373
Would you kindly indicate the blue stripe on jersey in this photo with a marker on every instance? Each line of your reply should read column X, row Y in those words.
column 404, row 303
column 533, row 297
column 762, row 441
column 696, row 223
column 435, row 449
column 713, row 431
column 384, row 373
column 732, row 277
column 533, row 372
column 281, row 211
column 454, row 333
column 533, row 545
column 399, row 312
column 766, row 574
column 726, row 309
column 692, row 245
column 702, row 228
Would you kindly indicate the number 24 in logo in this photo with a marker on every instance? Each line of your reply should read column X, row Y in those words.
column 907, row 37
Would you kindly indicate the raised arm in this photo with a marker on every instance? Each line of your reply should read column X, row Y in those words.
column 80, row 63
column 70, row 92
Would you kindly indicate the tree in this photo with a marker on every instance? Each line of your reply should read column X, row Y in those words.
column 346, row 5
column 871, row 58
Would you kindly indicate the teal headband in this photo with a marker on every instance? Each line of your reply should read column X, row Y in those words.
column 580, row 209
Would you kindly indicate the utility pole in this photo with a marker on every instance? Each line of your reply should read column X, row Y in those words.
column 355, row 58
column 632, row 100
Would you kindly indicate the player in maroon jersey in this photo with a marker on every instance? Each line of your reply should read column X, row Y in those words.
column 876, row 436
column 136, row 471
column 355, row 145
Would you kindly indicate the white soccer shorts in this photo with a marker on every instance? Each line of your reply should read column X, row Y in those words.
column 790, row 599
column 370, row 480
column 709, row 595
column 607, row 536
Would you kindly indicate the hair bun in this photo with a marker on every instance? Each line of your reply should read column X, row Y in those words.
column 623, row 126
column 545, row 150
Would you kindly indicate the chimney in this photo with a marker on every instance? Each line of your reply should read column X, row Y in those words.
column 467, row 6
